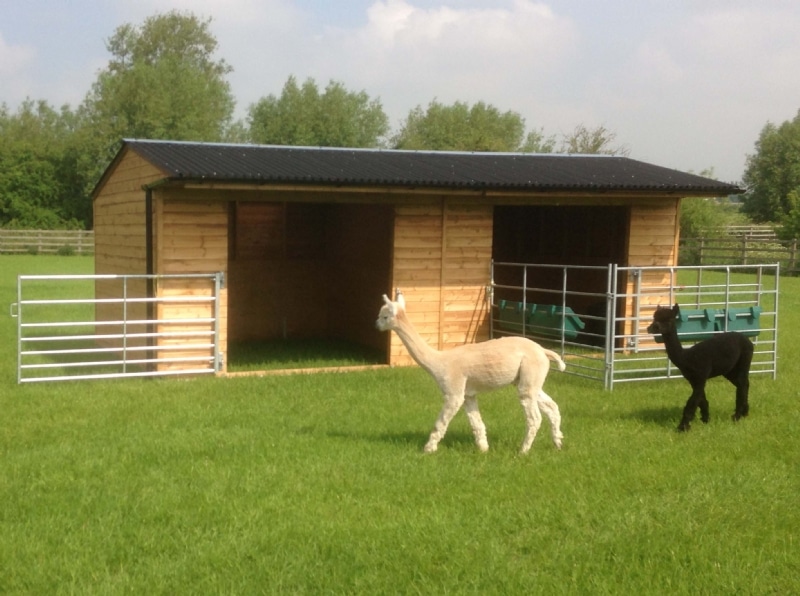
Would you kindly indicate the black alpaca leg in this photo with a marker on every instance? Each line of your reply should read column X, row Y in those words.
column 686, row 419
column 698, row 398
column 742, row 405
column 740, row 377
column 688, row 412
column 704, row 414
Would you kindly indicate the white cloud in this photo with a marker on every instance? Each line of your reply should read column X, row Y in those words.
column 14, row 59
column 410, row 55
column 15, row 62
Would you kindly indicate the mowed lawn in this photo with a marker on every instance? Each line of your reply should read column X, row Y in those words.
column 313, row 484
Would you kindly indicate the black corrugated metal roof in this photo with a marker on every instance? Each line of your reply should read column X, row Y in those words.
column 374, row 167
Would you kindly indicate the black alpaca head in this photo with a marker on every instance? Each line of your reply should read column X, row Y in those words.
column 664, row 319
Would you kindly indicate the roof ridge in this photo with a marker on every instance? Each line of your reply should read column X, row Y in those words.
column 370, row 149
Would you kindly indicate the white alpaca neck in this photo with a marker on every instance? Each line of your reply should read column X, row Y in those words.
column 427, row 357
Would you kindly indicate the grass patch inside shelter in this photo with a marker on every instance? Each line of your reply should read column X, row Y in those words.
column 300, row 353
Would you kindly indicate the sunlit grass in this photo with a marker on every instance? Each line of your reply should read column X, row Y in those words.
column 317, row 484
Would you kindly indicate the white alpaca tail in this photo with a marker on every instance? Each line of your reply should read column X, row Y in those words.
column 555, row 358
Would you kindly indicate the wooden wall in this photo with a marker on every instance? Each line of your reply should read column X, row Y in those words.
column 191, row 236
column 276, row 271
column 119, row 217
column 654, row 233
column 359, row 270
column 120, row 241
column 442, row 261
column 309, row 270
column 654, row 236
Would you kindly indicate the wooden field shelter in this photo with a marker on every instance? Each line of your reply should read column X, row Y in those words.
column 309, row 239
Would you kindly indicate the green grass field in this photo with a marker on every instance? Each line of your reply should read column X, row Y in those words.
column 317, row 484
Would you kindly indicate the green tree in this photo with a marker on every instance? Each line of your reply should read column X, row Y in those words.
column 592, row 141
column 40, row 184
column 304, row 116
column 459, row 127
column 537, row 142
column 772, row 173
column 162, row 82
column 704, row 217
column 790, row 223
column 699, row 216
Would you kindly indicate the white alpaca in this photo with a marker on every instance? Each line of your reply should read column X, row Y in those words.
column 467, row 370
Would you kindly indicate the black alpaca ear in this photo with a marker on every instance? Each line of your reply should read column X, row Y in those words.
column 676, row 310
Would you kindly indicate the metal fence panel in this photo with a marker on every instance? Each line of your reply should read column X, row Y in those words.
column 61, row 336
column 605, row 337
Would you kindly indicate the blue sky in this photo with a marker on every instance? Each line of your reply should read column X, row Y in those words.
column 684, row 84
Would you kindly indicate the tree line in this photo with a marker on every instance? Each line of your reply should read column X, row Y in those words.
column 164, row 80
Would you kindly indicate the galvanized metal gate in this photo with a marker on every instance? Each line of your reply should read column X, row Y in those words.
column 607, row 339
column 72, row 327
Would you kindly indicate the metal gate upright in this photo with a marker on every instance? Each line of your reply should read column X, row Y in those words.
column 142, row 326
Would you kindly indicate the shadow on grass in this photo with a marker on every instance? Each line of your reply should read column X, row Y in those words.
column 667, row 417
column 414, row 440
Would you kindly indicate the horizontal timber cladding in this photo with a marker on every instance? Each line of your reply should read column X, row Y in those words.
column 653, row 241
column 191, row 236
column 653, row 236
column 120, row 241
column 187, row 332
column 442, row 261
column 120, row 217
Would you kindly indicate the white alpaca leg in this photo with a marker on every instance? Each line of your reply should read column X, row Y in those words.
column 452, row 404
column 550, row 409
column 533, row 418
column 476, row 422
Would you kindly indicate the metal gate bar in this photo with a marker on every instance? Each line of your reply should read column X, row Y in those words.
column 58, row 339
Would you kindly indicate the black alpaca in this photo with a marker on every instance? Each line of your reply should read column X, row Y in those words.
column 727, row 354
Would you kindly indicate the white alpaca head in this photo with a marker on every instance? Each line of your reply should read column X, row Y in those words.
column 388, row 313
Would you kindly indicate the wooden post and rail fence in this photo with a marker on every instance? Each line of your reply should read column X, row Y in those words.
column 742, row 245
column 739, row 245
column 54, row 242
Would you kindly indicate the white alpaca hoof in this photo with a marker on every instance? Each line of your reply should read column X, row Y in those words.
column 484, row 447
column 429, row 448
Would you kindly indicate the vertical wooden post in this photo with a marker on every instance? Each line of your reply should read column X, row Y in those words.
column 744, row 249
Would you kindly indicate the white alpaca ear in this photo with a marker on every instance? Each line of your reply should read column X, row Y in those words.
column 399, row 298
column 390, row 304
